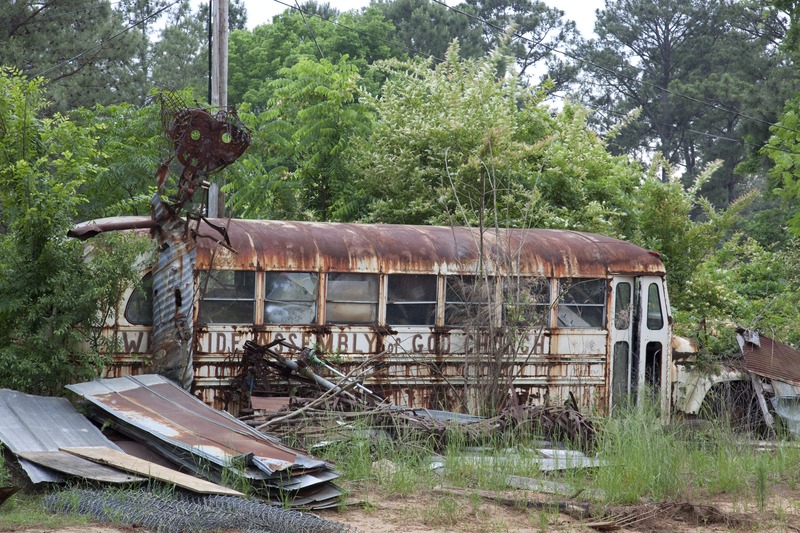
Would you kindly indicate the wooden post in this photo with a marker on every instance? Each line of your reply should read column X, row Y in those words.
column 219, row 88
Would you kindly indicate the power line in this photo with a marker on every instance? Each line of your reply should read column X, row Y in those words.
column 102, row 43
column 673, row 126
column 615, row 74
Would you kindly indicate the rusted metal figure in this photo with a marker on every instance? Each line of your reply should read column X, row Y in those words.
column 204, row 143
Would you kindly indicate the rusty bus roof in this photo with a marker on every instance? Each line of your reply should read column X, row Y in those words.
column 392, row 248
column 397, row 248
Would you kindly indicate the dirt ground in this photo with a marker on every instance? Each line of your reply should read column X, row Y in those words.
column 436, row 512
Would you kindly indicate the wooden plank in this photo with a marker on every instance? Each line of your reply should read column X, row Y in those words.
column 146, row 468
column 762, row 402
column 77, row 466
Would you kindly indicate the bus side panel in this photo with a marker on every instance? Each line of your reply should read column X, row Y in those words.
column 421, row 367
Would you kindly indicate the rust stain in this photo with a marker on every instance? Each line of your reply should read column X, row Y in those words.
column 391, row 248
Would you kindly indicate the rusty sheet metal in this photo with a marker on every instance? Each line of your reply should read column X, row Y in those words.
column 315, row 246
column 38, row 424
column 87, row 230
column 208, row 442
column 173, row 297
column 770, row 358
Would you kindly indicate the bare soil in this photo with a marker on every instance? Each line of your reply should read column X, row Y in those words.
column 374, row 511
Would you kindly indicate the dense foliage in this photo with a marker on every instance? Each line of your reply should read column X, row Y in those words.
column 49, row 296
column 410, row 111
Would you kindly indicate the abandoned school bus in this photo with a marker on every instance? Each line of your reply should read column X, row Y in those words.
column 435, row 311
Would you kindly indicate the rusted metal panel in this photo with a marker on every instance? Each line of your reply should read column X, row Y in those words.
column 390, row 248
column 769, row 358
column 204, row 440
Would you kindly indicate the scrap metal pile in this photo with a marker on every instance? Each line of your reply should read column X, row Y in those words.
column 321, row 408
column 207, row 442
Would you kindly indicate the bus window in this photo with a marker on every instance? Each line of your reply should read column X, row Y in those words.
column 622, row 306
column 620, row 380
column 291, row 297
column 411, row 300
column 227, row 297
column 139, row 310
column 468, row 300
column 652, row 365
column 352, row 299
column 655, row 318
column 582, row 303
column 526, row 302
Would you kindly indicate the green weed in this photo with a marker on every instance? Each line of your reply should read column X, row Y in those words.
column 643, row 458
column 24, row 511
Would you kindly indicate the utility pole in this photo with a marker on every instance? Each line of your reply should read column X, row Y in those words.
column 219, row 86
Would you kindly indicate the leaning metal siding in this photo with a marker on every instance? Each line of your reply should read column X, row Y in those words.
column 31, row 423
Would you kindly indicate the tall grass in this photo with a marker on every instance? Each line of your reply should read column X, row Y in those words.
column 643, row 458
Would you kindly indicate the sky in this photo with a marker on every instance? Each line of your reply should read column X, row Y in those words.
column 581, row 11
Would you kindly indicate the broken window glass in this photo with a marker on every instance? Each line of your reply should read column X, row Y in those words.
column 291, row 297
column 469, row 300
column 227, row 297
column 582, row 303
column 622, row 306
column 526, row 301
column 411, row 300
column 351, row 298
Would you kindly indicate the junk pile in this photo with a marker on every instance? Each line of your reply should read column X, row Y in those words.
column 755, row 390
column 323, row 408
column 209, row 443
column 54, row 443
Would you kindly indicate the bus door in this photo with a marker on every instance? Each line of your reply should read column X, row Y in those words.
column 653, row 340
column 624, row 359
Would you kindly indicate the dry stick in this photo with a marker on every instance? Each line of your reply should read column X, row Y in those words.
column 327, row 394
column 573, row 509
column 325, row 397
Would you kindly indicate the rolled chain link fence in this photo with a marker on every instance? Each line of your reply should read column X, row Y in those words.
column 175, row 512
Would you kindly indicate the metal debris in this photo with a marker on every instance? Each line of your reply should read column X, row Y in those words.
column 209, row 443
column 27, row 428
column 326, row 401
column 177, row 512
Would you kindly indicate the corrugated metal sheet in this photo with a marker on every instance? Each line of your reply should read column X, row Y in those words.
column 207, row 441
column 772, row 359
column 42, row 424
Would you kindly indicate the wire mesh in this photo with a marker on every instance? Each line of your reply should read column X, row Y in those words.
column 176, row 512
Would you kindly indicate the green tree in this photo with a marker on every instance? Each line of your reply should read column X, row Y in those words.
column 256, row 58
column 81, row 46
column 456, row 144
column 701, row 72
column 50, row 299
column 130, row 143
column 179, row 56
column 299, row 145
column 783, row 148
column 427, row 28
column 538, row 31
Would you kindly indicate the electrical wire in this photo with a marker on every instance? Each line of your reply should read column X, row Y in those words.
column 616, row 74
column 102, row 43
column 554, row 94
